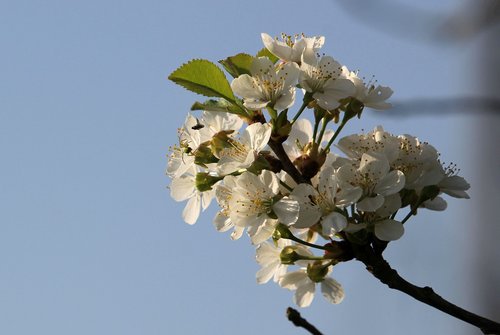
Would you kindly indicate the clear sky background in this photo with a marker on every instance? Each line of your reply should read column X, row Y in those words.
column 90, row 240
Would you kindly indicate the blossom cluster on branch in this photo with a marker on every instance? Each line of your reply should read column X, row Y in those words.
column 273, row 174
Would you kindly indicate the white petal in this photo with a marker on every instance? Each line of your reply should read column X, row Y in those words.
column 305, row 294
column 292, row 280
column 348, row 196
column 370, row 204
column 436, row 204
column 389, row 230
column 391, row 183
column 332, row 290
column 266, row 273
column 182, row 188
column 263, row 232
column 376, row 98
column 244, row 86
column 277, row 48
column 270, row 181
column 391, row 204
column 206, row 198
column 374, row 164
column 455, row 186
column 255, row 104
column 256, row 136
column 237, row 232
column 287, row 210
column 222, row 223
column 309, row 212
column 286, row 99
column 333, row 223
column 192, row 210
column 262, row 66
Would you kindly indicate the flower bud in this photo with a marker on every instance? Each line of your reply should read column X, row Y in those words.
column 289, row 255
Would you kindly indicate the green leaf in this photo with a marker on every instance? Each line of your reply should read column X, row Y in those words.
column 219, row 106
column 238, row 64
column 266, row 53
column 203, row 77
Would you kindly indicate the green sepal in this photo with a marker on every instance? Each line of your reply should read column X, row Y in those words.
column 266, row 53
column 282, row 231
column 204, row 181
column 428, row 193
column 203, row 77
column 238, row 64
column 203, row 155
column 317, row 271
column 220, row 105
column 259, row 164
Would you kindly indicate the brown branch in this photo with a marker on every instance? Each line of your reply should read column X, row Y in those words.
column 287, row 164
column 294, row 316
column 379, row 267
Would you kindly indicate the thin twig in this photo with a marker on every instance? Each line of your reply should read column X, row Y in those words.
column 294, row 316
column 379, row 268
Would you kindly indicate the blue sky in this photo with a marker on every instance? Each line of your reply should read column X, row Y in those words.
column 91, row 242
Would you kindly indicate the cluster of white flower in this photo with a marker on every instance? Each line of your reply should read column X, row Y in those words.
column 278, row 180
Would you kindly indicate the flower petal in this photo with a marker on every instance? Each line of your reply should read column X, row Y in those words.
column 389, row 230
column 370, row 204
column 182, row 188
column 391, row 183
column 287, row 210
column 333, row 223
column 305, row 294
column 192, row 210
column 332, row 290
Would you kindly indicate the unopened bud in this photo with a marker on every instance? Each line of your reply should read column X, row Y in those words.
column 289, row 255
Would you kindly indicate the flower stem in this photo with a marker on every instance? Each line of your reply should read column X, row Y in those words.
column 298, row 240
column 322, row 132
column 302, row 108
column 335, row 135
column 282, row 183
column 407, row 217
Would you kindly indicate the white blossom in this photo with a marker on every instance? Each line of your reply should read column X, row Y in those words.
column 184, row 188
column 289, row 50
column 248, row 201
column 241, row 153
column 373, row 175
column 268, row 255
column 267, row 86
column 370, row 95
column 324, row 79
column 305, row 287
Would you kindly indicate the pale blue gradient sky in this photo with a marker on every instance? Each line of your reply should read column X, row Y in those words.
column 91, row 242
